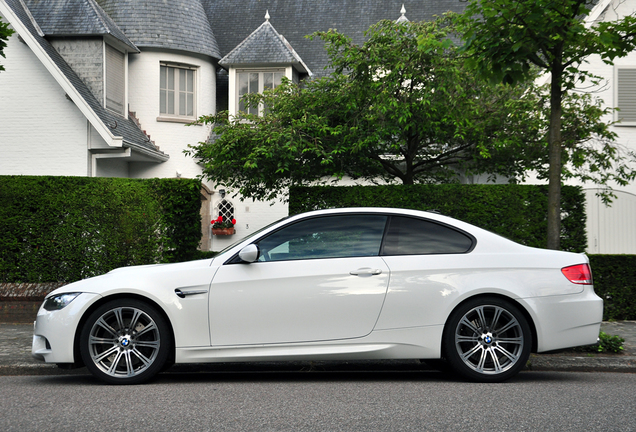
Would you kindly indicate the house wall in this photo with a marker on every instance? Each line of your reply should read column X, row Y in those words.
column 607, row 90
column 111, row 167
column 41, row 131
column 611, row 229
column 174, row 137
column 250, row 216
column 86, row 57
column 171, row 137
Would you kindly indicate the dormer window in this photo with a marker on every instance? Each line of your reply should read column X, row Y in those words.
column 115, row 82
column 258, row 64
column 255, row 81
column 177, row 91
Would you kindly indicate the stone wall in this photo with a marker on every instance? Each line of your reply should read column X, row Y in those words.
column 19, row 302
column 27, row 291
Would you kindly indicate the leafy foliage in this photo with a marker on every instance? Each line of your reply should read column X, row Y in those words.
column 179, row 201
column 403, row 107
column 508, row 39
column 393, row 109
column 606, row 343
column 513, row 211
column 62, row 229
column 614, row 277
column 5, row 32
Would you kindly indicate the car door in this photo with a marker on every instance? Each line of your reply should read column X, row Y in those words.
column 317, row 279
column 426, row 260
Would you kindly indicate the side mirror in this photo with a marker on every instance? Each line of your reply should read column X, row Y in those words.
column 249, row 253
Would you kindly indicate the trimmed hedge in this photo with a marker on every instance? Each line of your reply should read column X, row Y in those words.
column 614, row 277
column 517, row 212
column 62, row 229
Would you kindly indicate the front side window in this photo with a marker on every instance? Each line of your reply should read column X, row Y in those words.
column 177, row 91
column 411, row 236
column 255, row 82
column 325, row 237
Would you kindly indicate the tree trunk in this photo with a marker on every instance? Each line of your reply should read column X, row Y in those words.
column 554, row 144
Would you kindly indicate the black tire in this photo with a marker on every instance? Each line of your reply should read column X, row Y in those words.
column 125, row 341
column 487, row 339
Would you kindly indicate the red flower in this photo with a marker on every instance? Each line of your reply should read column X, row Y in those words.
column 233, row 221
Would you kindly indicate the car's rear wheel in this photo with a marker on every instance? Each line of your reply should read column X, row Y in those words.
column 487, row 339
column 125, row 341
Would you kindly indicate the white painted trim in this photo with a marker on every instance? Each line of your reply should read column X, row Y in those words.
column 61, row 79
column 104, row 80
column 596, row 12
column 231, row 100
column 124, row 153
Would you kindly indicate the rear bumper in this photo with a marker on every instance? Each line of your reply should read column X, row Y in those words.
column 566, row 321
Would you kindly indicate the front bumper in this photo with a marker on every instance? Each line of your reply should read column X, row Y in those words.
column 54, row 332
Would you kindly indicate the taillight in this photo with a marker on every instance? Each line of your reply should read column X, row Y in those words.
column 578, row 274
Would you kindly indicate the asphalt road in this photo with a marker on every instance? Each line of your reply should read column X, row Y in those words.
column 321, row 401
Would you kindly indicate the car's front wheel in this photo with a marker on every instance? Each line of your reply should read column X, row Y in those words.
column 487, row 339
column 125, row 341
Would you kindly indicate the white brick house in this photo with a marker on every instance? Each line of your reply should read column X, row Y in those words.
column 613, row 229
column 105, row 87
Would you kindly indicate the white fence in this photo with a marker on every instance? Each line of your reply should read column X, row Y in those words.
column 611, row 230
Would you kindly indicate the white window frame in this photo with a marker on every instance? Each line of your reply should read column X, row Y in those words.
column 625, row 95
column 178, row 93
column 119, row 83
column 261, row 81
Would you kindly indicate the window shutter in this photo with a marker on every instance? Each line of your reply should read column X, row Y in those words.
column 626, row 95
column 115, row 80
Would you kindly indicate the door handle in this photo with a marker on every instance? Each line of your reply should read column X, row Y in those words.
column 365, row 271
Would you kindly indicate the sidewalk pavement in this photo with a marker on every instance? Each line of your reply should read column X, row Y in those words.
column 15, row 357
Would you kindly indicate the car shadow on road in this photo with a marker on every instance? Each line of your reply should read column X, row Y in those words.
column 307, row 372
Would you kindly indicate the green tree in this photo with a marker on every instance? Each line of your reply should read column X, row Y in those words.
column 5, row 32
column 402, row 107
column 508, row 39
column 392, row 109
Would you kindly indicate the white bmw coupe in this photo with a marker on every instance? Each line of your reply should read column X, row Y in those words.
column 340, row 284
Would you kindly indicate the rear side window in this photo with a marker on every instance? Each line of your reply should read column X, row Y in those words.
column 411, row 236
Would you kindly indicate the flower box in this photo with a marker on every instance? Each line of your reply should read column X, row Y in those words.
column 223, row 231
column 223, row 226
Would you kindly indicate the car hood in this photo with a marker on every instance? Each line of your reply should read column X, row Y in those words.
column 167, row 267
column 145, row 278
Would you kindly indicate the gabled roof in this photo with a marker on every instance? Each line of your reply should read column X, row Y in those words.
column 116, row 130
column 234, row 20
column 175, row 24
column 75, row 17
column 264, row 46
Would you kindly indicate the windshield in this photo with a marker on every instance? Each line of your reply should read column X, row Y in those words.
column 249, row 236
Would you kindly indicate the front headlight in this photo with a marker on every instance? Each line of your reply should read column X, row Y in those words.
column 59, row 301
